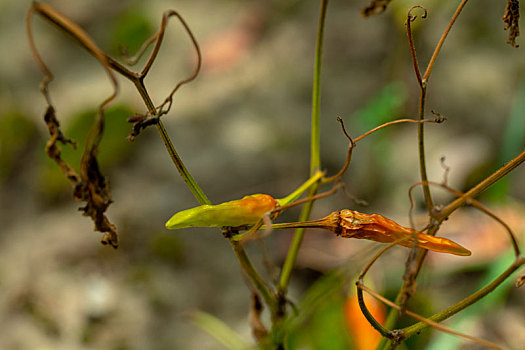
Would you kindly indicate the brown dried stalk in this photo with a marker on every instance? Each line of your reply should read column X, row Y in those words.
column 90, row 186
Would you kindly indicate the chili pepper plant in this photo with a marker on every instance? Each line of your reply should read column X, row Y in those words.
column 274, row 319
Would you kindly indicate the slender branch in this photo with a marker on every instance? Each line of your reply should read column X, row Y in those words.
column 423, row 82
column 293, row 251
column 430, row 323
column 421, row 108
column 454, row 309
column 286, row 201
column 78, row 34
column 334, row 189
column 476, row 204
column 254, row 277
column 442, row 41
column 411, row 18
column 348, row 155
column 414, row 262
column 421, row 150
column 315, row 157
column 183, row 171
column 353, row 142
column 373, row 322
column 482, row 186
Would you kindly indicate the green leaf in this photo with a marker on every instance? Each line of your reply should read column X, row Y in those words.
column 17, row 135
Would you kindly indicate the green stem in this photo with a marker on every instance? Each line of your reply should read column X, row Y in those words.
column 315, row 146
column 315, row 156
column 301, row 189
column 291, row 258
column 184, row 173
column 390, row 323
column 254, row 277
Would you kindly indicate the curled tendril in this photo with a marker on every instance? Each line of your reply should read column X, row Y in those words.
column 440, row 118
column 411, row 17
column 152, row 116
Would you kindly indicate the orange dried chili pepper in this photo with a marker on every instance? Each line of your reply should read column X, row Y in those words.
column 353, row 224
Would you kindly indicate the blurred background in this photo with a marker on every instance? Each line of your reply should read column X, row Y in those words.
column 243, row 127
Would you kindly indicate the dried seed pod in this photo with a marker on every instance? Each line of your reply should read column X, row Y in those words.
column 375, row 227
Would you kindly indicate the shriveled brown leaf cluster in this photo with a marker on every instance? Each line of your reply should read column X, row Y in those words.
column 90, row 186
column 511, row 19
column 375, row 7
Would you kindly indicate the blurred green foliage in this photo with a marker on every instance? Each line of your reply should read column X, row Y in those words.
column 386, row 105
column 17, row 138
column 382, row 107
column 130, row 30
column 167, row 248
column 320, row 323
column 512, row 143
column 494, row 301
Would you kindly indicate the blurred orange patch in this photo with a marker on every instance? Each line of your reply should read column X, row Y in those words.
column 364, row 336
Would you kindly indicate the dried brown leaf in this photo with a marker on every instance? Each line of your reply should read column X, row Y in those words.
column 95, row 187
column 375, row 7
column 90, row 186
column 52, row 149
column 511, row 19
column 520, row 281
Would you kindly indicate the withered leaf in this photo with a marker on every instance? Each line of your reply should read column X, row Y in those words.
column 90, row 186
column 511, row 19
column 52, row 149
column 375, row 7
column 95, row 190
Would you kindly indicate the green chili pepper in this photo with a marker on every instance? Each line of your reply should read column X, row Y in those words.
column 240, row 212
